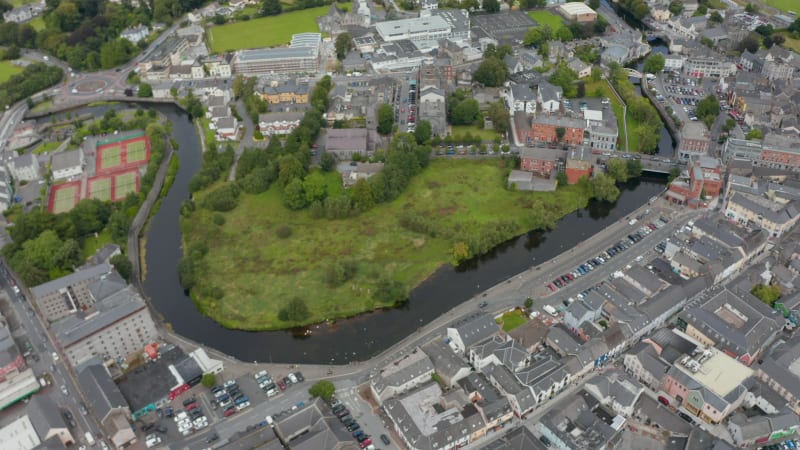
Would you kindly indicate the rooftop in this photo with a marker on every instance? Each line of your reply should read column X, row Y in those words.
column 153, row 381
column 71, row 279
column 395, row 29
column 720, row 373
column 103, row 394
column 275, row 54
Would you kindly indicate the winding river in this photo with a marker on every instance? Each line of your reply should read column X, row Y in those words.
column 364, row 336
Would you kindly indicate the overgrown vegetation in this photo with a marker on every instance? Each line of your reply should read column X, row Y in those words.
column 768, row 294
column 648, row 128
column 34, row 78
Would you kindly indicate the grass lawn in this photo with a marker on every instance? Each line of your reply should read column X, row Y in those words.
column 792, row 44
column 512, row 319
column 46, row 147
column 38, row 23
column 7, row 70
column 459, row 196
column 602, row 87
column 784, row 5
column 545, row 17
column 91, row 244
column 485, row 135
column 264, row 32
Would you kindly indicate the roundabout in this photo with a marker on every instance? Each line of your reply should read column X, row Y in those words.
column 89, row 86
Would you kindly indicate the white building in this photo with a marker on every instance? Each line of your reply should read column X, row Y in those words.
column 401, row 376
column 19, row 435
column 24, row 167
column 432, row 28
column 135, row 34
column 67, row 164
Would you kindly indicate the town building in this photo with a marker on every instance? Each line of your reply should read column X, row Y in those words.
column 408, row 372
column 522, row 98
column 545, row 128
column 135, row 34
column 708, row 66
column 695, row 140
column 218, row 66
column 736, row 322
column 540, row 161
column 19, row 434
column 107, row 404
column 704, row 182
column 345, row 142
column 302, row 56
column 169, row 52
column 117, row 325
column 11, row 360
column 747, row 431
column 427, row 30
column 449, row 366
column 758, row 211
column 279, row 123
column 361, row 171
column 579, row 164
column 470, row 330
column 47, row 420
column 24, row 167
column 285, row 92
column 25, row 13
column 613, row 388
column 63, row 296
column 708, row 384
column 780, row 372
column 602, row 131
column 310, row 427
column 579, row 422
column 67, row 164
column 577, row 12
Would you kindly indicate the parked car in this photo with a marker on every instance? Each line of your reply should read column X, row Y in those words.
column 385, row 439
column 229, row 411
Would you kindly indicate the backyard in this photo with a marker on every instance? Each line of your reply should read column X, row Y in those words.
column 512, row 319
column 467, row 197
column 270, row 31
column 545, row 17
column 7, row 70
column 458, row 131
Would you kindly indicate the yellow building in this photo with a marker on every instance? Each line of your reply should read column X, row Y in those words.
column 290, row 92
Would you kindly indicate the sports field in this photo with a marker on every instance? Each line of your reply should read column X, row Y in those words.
column 8, row 70
column 784, row 5
column 545, row 17
column 135, row 151
column 266, row 31
column 64, row 197
column 109, row 157
column 124, row 184
column 100, row 188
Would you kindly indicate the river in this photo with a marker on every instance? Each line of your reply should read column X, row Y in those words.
column 364, row 336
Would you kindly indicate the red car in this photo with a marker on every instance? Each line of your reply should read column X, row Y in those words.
column 281, row 385
column 230, row 411
column 365, row 443
column 552, row 288
column 191, row 406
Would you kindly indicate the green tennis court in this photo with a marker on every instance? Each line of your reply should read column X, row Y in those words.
column 136, row 151
column 124, row 184
column 100, row 189
column 64, row 199
column 110, row 157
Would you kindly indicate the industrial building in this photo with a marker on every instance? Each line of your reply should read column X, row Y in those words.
column 577, row 12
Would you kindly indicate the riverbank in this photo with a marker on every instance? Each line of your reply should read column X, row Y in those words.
column 338, row 268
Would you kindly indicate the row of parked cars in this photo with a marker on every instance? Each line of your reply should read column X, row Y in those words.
column 609, row 253
column 789, row 444
column 364, row 440
column 230, row 398
column 191, row 418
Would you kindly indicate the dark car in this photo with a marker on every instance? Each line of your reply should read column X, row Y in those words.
column 338, row 408
column 361, row 437
column 685, row 416
column 483, row 304
column 353, row 427
column 161, row 429
column 341, row 413
column 189, row 401
column 385, row 439
column 68, row 416
column 212, row 438
column 300, row 377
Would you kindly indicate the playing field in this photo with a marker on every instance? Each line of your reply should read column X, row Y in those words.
column 266, row 31
column 135, row 151
column 64, row 197
column 124, row 184
column 784, row 5
column 7, row 70
column 110, row 157
column 544, row 17
column 100, row 188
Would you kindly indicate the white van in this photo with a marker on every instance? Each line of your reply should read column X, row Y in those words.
column 89, row 438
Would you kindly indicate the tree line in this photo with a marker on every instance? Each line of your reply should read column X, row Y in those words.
column 648, row 128
column 34, row 78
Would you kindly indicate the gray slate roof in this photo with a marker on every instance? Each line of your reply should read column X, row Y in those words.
column 71, row 279
column 475, row 328
column 44, row 415
column 444, row 360
column 103, row 394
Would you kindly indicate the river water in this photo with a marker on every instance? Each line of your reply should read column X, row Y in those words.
column 364, row 336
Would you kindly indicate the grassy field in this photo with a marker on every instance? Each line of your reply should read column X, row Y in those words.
column 791, row 44
column 7, row 70
column 38, row 23
column 545, row 17
column 485, row 135
column 784, row 5
column 602, row 89
column 46, row 147
column 512, row 319
column 461, row 196
column 92, row 244
column 266, row 31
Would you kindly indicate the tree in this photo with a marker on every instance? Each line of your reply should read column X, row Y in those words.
column 715, row 17
column 634, row 168
column 271, row 8
column 751, row 42
column 617, row 169
column 323, row 389
column 565, row 78
column 466, row 112
column 491, row 6
column 604, row 188
column 528, row 302
column 385, row 119
column 294, row 197
column 561, row 179
column 500, row 117
column 363, row 199
column 765, row 30
column 344, row 43
column 751, row 8
column 708, row 109
column 290, row 168
column 560, row 132
column 145, row 90
column 492, row 72
column 208, row 380
column 315, row 187
column 674, row 173
column 768, row 294
column 327, row 162
column 654, row 63
column 123, row 266
column 423, row 132
column 295, row 311
column 115, row 53
column 754, row 134
column 564, row 34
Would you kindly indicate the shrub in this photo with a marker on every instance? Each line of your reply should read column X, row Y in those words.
column 284, row 231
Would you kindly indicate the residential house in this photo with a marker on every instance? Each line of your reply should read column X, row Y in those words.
column 522, row 98
column 735, row 322
column 540, row 161
column 24, row 167
column 547, row 127
column 519, row 396
column 47, row 420
column 448, row 366
column 346, row 142
column 352, row 172
column 614, row 53
column 530, row 59
column 432, row 108
column 614, row 389
column 470, row 330
column 107, row 404
column 581, row 68
column 513, row 64
column 288, row 92
column 227, row 128
column 549, row 96
column 688, row 27
column 25, row 13
column 579, row 164
column 408, row 372
column 708, row 384
column 279, row 123
column 135, row 34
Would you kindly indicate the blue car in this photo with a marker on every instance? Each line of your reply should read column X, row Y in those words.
column 241, row 400
column 357, row 434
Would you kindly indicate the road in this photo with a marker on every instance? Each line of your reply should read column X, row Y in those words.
column 35, row 332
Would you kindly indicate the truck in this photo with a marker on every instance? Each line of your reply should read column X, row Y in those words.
column 89, row 438
column 549, row 310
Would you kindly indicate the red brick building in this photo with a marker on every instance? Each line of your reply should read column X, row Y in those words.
column 705, row 174
column 540, row 161
column 544, row 129
column 579, row 164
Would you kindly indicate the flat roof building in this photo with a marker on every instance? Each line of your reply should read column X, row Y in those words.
column 577, row 12
column 418, row 29
column 60, row 297
column 268, row 61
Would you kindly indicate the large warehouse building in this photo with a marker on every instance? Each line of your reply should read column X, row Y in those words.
column 578, row 12
column 300, row 57
column 432, row 28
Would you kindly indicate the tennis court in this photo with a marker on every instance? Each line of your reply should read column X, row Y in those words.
column 135, row 151
column 64, row 197
column 100, row 188
column 109, row 157
column 124, row 184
